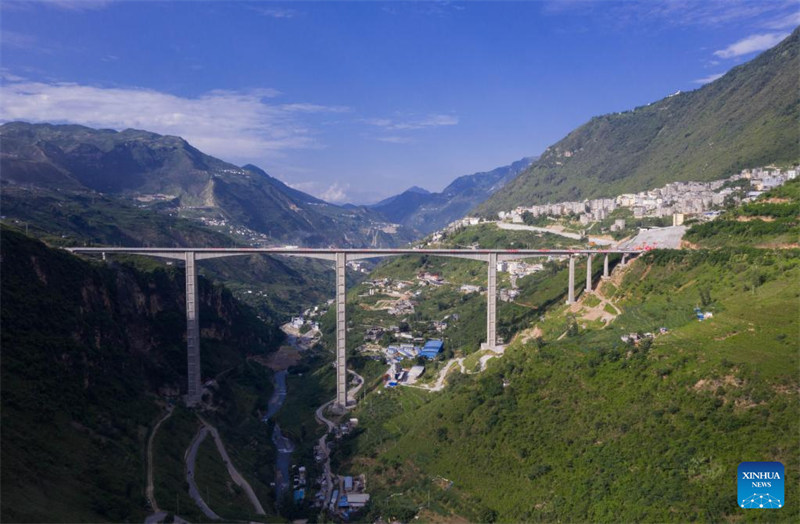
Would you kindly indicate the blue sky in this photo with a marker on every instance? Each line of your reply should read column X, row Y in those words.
column 355, row 101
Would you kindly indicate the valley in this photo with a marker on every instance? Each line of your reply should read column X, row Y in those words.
column 600, row 333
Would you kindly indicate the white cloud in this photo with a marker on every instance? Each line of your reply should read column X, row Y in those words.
column 306, row 187
column 236, row 125
column 751, row 44
column 708, row 79
column 394, row 139
column 314, row 108
column 791, row 20
column 18, row 40
column 77, row 5
column 336, row 193
column 681, row 13
column 276, row 12
column 433, row 120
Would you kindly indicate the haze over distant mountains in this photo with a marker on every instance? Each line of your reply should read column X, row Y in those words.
column 167, row 174
column 746, row 118
column 425, row 212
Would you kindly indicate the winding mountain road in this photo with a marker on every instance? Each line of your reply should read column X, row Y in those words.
column 331, row 426
column 191, row 458
column 353, row 392
column 232, row 471
column 157, row 514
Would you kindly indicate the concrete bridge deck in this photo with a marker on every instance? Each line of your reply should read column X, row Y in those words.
column 340, row 257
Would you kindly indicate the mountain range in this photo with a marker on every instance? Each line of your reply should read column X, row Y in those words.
column 747, row 118
column 574, row 422
column 426, row 212
column 167, row 174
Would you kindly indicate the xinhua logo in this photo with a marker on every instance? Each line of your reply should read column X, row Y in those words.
column 760, row 485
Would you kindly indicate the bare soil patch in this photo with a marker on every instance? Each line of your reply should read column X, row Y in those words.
column 284, row 358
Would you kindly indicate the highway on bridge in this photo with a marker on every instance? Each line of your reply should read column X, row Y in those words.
column 340, row 257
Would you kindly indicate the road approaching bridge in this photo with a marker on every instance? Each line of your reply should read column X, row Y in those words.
column 340, row 257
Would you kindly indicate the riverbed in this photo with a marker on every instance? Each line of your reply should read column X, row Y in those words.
column 283, row 446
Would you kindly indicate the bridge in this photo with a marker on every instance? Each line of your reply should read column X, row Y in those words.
column 340, row 257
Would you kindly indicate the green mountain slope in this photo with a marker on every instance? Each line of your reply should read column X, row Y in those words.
column 747, row 118
column 575, row 424
column 86, row 347
column 771, row 221
column 75, row 218
column 587, row 428
column 171, row 175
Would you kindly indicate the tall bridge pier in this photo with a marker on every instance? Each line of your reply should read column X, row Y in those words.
column 340, row 257
column 341, row 332
column 589, row 273
column 571, row 281
column 491, row 303
column 193, row 391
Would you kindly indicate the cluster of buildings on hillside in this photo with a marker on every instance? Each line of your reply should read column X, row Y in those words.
column 347, row 494
column 429, row 350
column 518, row 268
column 299, row 322
column 425, row 278
column 402, row 307
column 675, row 199
column 349, row 497
column 358, row 265
column 397, row 374
column 252, row 237
column 375, row 333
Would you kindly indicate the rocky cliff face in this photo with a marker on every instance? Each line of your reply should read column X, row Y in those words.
column 86, row 347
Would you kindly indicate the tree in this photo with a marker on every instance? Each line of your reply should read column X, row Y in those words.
column 705, row 296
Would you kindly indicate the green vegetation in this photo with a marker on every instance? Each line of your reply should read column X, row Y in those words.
column 772, row 220
column 67, row 218
column 490, row 236
column 72, row 218
column 308, row 387
column 169, row 467
column 747, row 118
column 216, row 487
column 166, row 174
column 86, row 348
column 577, row 425
column 239, row 400
column 591, row 429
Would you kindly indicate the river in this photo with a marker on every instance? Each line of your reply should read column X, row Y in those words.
column 283, row 446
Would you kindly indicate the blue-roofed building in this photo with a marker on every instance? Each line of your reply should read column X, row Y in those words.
column 432, row 348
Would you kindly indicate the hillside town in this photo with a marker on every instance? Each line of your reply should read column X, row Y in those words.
column 677, row 199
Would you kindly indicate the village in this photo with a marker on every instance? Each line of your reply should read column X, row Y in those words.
column 396, row 335
column 678, row 200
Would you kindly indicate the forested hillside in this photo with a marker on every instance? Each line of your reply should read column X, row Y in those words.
column 86, row 348
column 574, row 423
column 73, row 218
column 747, row 118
